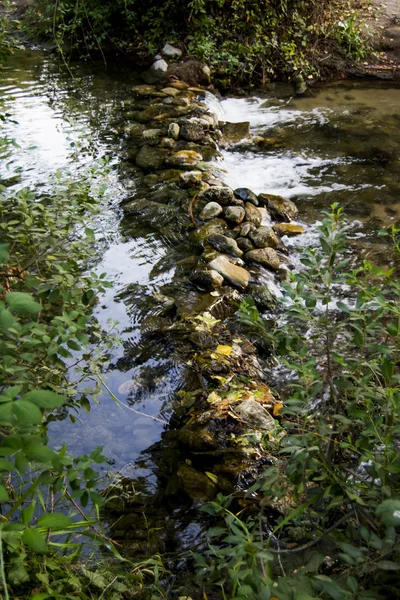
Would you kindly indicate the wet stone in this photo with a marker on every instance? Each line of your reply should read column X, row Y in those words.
column 157, row 72
column 211, row 210
column 235, row 132
column 150, row 158
column 245, row 230
column 207, row 280
column 220, row 194
column 167, row 143
column 244, row 244
column 173, row 131
column 263, row 256
column 235, row 214
column 255, row 415
column 192, row 130
column 190, row 178
column 196, row 484
column 179, row 85
column 288, row 229
column 169, row 91
column 280, row 208
column 262, row 296
column 246, row 195
column 264, row 237
column 253, row 215
column 235, row 275
column 214, row 226
column 185, row 158
column 224, row 244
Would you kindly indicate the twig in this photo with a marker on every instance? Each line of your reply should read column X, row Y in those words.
column 193, row 200
column 2, row 572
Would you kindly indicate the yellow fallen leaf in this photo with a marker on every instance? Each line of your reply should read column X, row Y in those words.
column 277, row 408
column 225, row 350
column 213, row 397
column 211, row 476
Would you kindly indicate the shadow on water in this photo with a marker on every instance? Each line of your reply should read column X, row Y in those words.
column 338, row 143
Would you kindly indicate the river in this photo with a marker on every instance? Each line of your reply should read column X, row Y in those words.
column 337, row 143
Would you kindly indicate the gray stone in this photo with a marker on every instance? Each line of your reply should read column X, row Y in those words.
column 244, row 244
column 193, row 130
column 152, row 134
column 157, row 72
column 203, row 232
column 173, row 131
column 264, row 237
column 245, row 230
column 280, row 208
column 207, row 280
column 235, row 275
column 262, row 296
column 224, row 244
column 150, row 158
column 168, row 143
column 190, row 178
column 263, row 256
column 222, row 195
column 246, row 195
column 170, row 91
column 211, row 210
column 235, row 132
column 236, row 214
column 254, row 415
column 253, row 215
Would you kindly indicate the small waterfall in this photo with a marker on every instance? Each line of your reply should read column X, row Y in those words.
column 214, row 105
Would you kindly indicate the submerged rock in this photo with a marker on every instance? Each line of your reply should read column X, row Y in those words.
column 151, row 159
column 264, row 237
column 184, row 158
column 255, row 415
column 280, row 208
column 235, row 275
column 235, row 132
column 246, row 195
column 288, row 229
column 214, row 226
column 196, row 484
column 224, row 244
column 263, row 256
column 211, row 210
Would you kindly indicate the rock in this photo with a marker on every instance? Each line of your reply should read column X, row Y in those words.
column 170, row 91
column 280, row 208
column 171, row 52
column 263, row 256
column 152, row 134
column 145, row 90
column 152, row 214
column 179, row 85
column 157, row 72
column 207, row 280
column 288, row 229
column 300, row 85
column 167, row 143
column 134, row 130
column 235, row 275
column 244, row 244
column 222, row 195
column 235, row 132
column 192, row 72
column 245, row 230
column 254, row 415
column 196, row 484
column 192, row 130
column 214, row 226
column 173, row 131
column 184, row 158
column 224, row 244
column 236, row 214
column 150, row 158
column 262, row 296
column 197, row 439
column 264, row 237
column 265, row 216
column 253, row 215
column 190, row 178
column 211, row 210
column 246, row 195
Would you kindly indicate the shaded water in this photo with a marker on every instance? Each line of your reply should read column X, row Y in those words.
column 338, row 143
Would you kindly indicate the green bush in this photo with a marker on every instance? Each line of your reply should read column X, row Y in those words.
column 329, row 504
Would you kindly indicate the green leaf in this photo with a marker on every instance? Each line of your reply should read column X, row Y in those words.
column 4, row 497
column 28, row 512
column 45, row 399
column 6, row 412
column 388, row 565
column 3, row 253
column 6, row 320
column 35, row 540
column 26, row 413
column 23, row 303
column 5, row 465
column 39, row 452
column 389, row 512
column 54, row 521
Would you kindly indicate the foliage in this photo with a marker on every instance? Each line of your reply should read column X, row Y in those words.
column 241, row 40
column 6, row 42
column 328, row 519
column 349, row 35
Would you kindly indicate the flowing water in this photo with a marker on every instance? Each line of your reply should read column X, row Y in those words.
column 338, row 143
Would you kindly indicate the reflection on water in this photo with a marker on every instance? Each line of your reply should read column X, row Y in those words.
column 339, row 142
